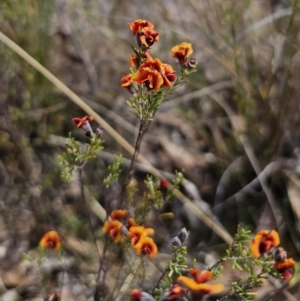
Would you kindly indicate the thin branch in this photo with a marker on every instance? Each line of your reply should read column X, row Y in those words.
column 141, row 133
column 159, row 281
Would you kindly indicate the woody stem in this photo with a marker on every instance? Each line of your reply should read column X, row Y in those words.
column 142, row 129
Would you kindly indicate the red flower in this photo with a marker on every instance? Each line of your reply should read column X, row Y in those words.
column 149, row 73
column 163, row 184
column 146, row 246
column 50, row 240
column 126, row 81
column 114, row 229
column 284, row 267
column 175, row 292
column 145, row 33
column 263, row 242
column 148, row 36
column 168, row 75
column 182, row 52
column 81, row 121
column 200, row 288
column 201, row 277
column 118, row 214
column 138, row 25
column 137, row 233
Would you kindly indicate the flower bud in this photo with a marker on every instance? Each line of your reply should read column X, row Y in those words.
column 124, row 231
column 137, row 295
column 280, row 254
column 183, row 235
column 163, row 184
column 175, row 241
column 146, row 297
column 88, row 129
column 192, row 63
column 99, row 131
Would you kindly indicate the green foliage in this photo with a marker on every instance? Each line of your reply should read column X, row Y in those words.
column 114, row 171
column 178, row 263
column 155, row 197
column 176, row 182
column 77, row 155
column 131, row 191
column 152, row 199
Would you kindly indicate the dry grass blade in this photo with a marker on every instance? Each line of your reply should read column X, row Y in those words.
column 293, row 190
column 62, row 87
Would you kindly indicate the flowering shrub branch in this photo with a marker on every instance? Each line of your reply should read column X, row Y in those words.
column 150, row 80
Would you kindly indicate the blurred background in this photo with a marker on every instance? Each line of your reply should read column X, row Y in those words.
column 233, row 128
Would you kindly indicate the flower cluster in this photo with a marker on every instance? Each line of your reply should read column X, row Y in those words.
column 144, row 32
column 152, row 73
column 265, row 241
column 138, row 235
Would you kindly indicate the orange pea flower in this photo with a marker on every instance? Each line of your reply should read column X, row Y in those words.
column 145, row 246
column 168, row 75
column 114, row 229
column 126, row 81
column 263, row 242
column 149, row 73
column 136, row 233
column 148, row 36
column 145, row 33
column 50, row 240
column 137, row 26
column 154, row 74
column 182, row 52
column 118, row 214
column 284, row 268
column 200, row 288
column 201, row 277
column 175, row 292
column 81, row 121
